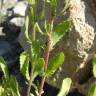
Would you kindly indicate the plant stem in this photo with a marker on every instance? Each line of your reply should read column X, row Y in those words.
column 31, row 78
column 46, row 54
column 46, row 58
column 32, row 65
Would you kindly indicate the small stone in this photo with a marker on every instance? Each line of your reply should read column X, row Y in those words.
column 17, row 21
column 6, row 4
column 20, row 8
column 1, row 32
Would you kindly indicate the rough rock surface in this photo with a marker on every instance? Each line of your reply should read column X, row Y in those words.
column 79, row 45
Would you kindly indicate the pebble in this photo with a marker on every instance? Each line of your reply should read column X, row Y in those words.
column 20, row 8
column 1, row 32
column 17, row 21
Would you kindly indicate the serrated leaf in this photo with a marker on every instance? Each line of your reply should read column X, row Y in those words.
column 94, row 65
column 24, row 64
column 65, row 87
column 54, row 64
column 92, row 90
column 54, row 4
column 14, row 86
column 4, row 67
column 38, row 67
column 59, row 31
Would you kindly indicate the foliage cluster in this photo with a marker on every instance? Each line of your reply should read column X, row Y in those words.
column 39, row 52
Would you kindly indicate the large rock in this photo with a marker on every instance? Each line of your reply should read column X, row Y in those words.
column 78, row 45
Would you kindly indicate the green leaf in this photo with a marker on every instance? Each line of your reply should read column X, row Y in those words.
column 48, row 1
column 38, row 67
column 32, row 11
column 92, row 90
column 35, row 48
column 54, row 64
column 4, row 67
column 94, row 65
column 59, row 31
column 42, row 12
column 24, row 64
column 32, row 94
column 27, row 27
column 37, row 28
column 65, row 87
column 47, row 26
column 1, row 91
column 14, row 86
column 32, row 2
column 54, row 4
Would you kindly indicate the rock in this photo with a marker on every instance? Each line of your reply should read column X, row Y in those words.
column 14, row 9
column 7, row 4
column 1, row 31
column 10, row 52
column 3, row 14
column 9, row 47
column 78, row 44
column 4, row 47
column 20, row 8
column 17, row 21
column 88, row 85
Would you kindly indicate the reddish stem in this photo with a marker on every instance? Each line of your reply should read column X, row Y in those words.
column 46, row 54
column 46, row 58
